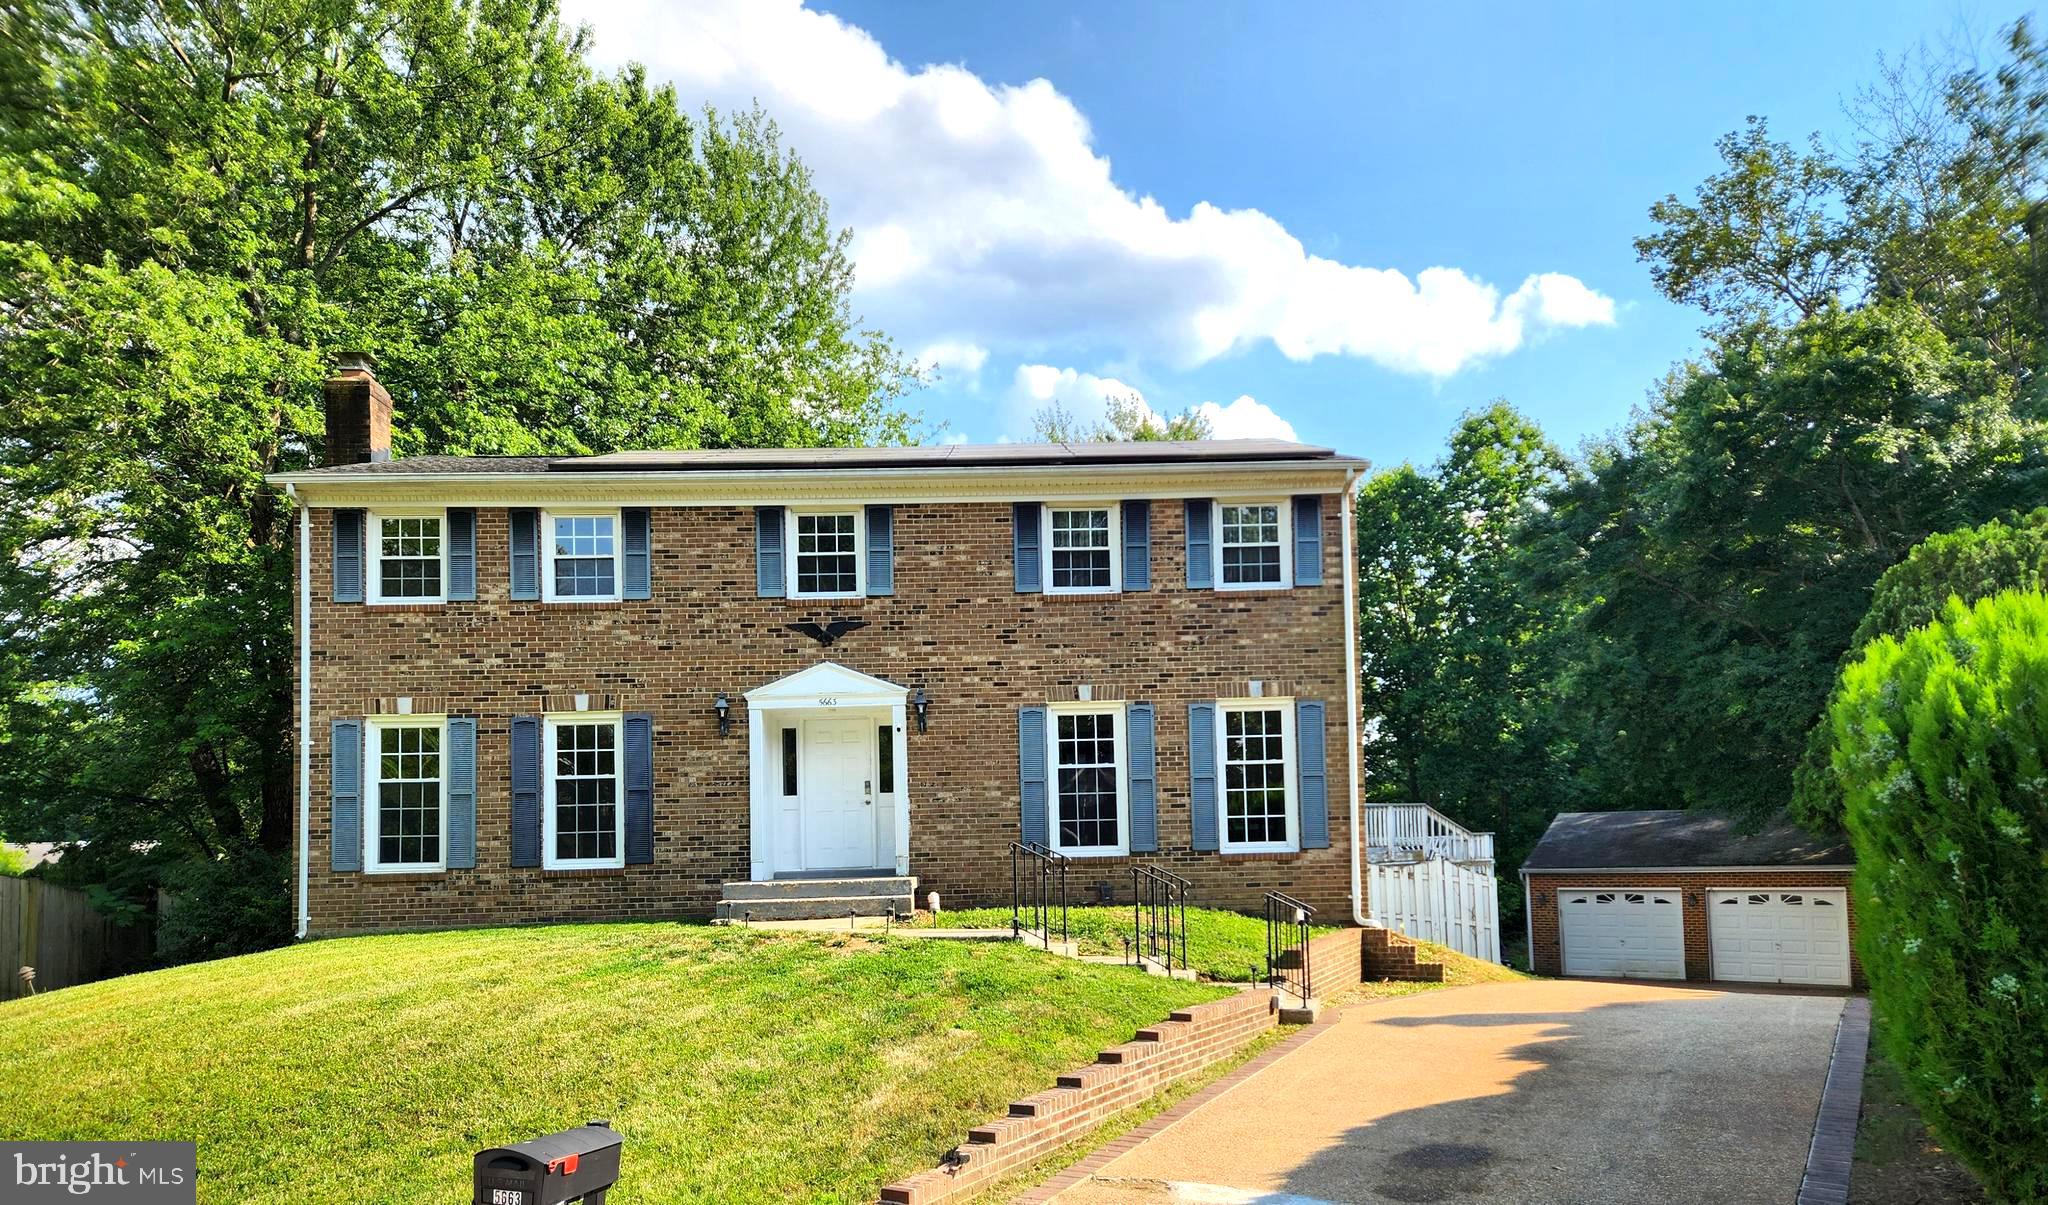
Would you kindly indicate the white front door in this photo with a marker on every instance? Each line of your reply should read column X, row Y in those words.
column 1622, row 933
column 1763, row 936
column 838, row 794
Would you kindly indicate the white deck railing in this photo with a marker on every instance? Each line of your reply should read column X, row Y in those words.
column 1406, row 832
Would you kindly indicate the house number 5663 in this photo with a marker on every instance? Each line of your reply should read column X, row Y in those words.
column 827, row 701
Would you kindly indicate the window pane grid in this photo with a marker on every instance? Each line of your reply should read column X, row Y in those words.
column 586, row 792
column 1080, row 549
column 585, row 548
column 826, row 555
column 1250, row 543
column 1254, row 777
column 409, row 558
column 1084, row 756
column 408, row 796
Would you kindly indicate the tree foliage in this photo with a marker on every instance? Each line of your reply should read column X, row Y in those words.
column 1942, row 750
column 1127, row 418
column 200, row 204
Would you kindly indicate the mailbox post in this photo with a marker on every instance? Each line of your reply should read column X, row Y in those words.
column 575, row 1165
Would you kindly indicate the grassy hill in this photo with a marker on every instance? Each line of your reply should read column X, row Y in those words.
column 740, row 1066
column 1221, row 945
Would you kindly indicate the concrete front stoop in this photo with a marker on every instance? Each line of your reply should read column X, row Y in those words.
column 816, row 899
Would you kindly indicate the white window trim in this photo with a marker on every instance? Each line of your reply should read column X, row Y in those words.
column 373, row 538
column 1116, row 547
column 373, row 798
column 1286, row 513
column 547, row 553
column 1123, row 779
column 1285, row 706
column 860, row 549
column 551, row 723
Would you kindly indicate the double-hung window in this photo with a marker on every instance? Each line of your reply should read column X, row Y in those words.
column 826, row 557
column 1257, row 739
column 408, row 819
column 1081, row 549
column 1252, row 548
column 582, row 555
column 409, row 557
column 1089, row 780
column 583, row 816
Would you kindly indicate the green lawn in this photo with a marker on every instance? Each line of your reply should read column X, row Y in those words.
column 1221, row 945
column 740, row 1066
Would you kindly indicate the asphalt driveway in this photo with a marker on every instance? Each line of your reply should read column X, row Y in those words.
column 1544, row 1091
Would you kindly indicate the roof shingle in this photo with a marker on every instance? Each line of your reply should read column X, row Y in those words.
column 1626, row 840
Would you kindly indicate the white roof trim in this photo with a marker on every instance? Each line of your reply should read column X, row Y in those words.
column 825, row 680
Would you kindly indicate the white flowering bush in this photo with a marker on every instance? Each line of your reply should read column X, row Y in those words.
column 1941, row 750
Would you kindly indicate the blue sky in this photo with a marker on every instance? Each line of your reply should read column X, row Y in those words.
column 1209, row 203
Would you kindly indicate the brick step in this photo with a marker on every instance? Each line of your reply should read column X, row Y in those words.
column 812, row 908
column 837, row 889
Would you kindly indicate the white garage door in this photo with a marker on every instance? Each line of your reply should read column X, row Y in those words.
column 1622, row 933
column 1799, row 936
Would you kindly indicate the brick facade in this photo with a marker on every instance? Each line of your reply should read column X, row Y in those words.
column 955, row 626
column 1692, row 886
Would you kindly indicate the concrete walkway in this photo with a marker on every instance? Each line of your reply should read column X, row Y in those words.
column 1545, row 1091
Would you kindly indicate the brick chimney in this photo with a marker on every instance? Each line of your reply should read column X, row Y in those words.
column 358, row 411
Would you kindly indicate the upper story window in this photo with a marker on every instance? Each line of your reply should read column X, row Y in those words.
column 408, row 818
column 1081, row 551
column 583, row 822
column 582, row 556
column 1251, row 545
column 1088, row 780
column 409, row 552
column 1258, row 776
column 826, row 554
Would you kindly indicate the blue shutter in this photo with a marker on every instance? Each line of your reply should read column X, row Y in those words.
column 1310, row 741
column 768, row 551
column 1138, row 545
column 525, row 554
column 881, row 550
column 1031, row 816
column 639, row 742
column 1308, row 540
column 638, row 571
column 461, row 554
column 1202, row 774
column 461, row 794
column 1201, row 568
column 1141, row 757
column 345, row 769
column 526, row 791
column 348, row 556
column 1024, row 547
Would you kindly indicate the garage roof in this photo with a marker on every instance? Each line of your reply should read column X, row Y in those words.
column 1674, row 840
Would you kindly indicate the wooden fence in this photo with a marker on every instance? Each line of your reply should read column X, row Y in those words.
column 1439, row 901
column 58, row 932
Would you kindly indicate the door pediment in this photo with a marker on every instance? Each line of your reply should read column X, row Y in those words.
column 826, row 680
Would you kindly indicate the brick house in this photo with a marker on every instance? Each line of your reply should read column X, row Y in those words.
column 658, row 684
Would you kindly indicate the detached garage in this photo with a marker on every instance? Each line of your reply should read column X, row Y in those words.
column 1682, row 895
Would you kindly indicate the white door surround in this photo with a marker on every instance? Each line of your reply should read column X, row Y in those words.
column 836, row 714
column 1780, row 935
column 1621, row 932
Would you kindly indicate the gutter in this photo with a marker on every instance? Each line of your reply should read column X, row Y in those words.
column 756, row 476
column 1529, row 922
column 305, row 626
column 1350, row 570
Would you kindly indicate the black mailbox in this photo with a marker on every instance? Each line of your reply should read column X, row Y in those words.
column 575, row 1165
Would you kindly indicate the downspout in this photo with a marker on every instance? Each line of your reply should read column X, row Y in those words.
column 1350, row 571
column 1529, row 922
column 305, row 626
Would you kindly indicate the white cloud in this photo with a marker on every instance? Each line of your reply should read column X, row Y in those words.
column 953, row 360
column 988, row 205
column 1081, row 394
column 1246, row 418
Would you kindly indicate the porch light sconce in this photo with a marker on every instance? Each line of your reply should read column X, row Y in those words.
column 723, row 706
column 920, row 704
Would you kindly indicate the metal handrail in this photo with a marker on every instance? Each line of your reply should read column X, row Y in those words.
column 1159, row 915
column 1287, row 929
column 1038, row 885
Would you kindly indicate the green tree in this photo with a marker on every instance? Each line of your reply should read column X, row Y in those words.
column 1128, row 419
column 1941, row 744
column 199, row 204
